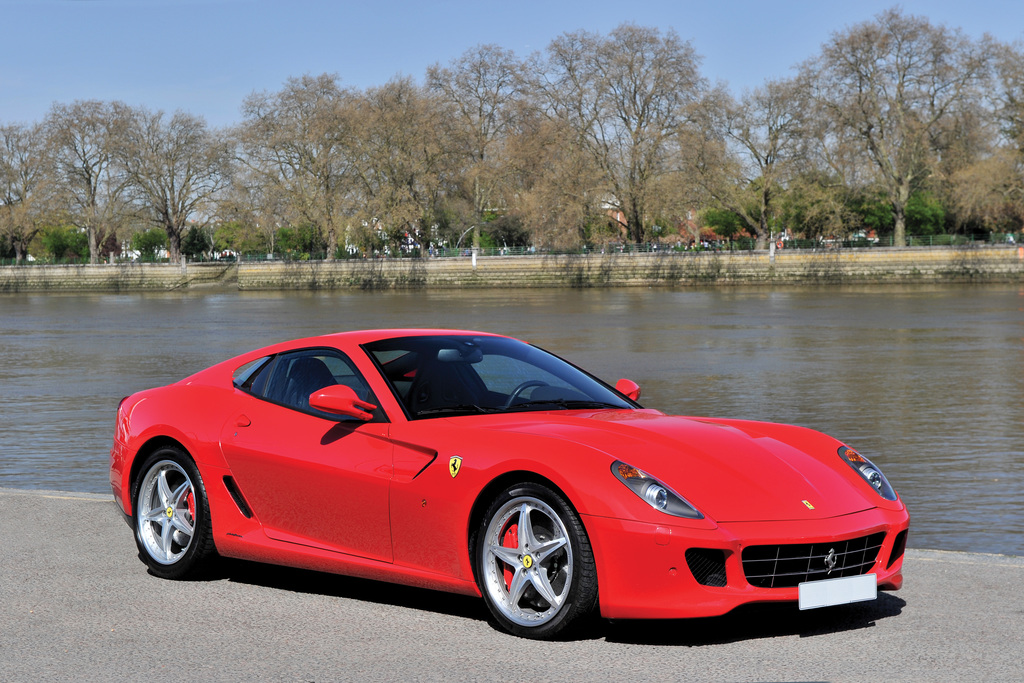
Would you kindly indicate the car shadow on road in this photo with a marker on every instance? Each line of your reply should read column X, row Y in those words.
column 748, row 622
column 751, row 622
column 349, row 588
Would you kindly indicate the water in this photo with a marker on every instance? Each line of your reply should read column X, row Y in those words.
column 928, row 382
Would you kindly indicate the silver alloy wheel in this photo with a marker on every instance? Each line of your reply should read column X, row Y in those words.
column 166, row 512
column 527, row 561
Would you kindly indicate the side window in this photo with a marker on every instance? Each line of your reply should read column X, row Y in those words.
column 244, row 376
column 290, row 378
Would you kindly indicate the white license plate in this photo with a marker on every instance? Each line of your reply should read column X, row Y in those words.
column 814, row 594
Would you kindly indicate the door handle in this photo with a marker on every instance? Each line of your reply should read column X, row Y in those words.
column 243, row 421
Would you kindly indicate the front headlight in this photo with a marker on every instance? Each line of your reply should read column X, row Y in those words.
column 868, row 472
column 653, row 492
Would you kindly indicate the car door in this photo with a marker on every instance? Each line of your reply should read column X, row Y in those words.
column 310, row 477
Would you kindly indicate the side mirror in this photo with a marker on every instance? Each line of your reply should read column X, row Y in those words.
column 629, row 388
column 341, row 400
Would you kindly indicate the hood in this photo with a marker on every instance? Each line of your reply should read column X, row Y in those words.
column 731, row 471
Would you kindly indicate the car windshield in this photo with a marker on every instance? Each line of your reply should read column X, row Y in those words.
column 447, row 375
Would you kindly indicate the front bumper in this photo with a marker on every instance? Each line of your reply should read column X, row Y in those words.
column 643, row 571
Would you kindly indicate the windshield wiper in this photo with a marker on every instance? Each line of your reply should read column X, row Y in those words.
column 467, row 408
column 564, row 404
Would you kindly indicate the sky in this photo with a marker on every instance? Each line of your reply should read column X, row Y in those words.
column 206, row 56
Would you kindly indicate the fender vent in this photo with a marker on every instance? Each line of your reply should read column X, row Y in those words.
column 236, row 495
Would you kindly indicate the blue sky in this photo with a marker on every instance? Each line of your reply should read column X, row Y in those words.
column 206, row 56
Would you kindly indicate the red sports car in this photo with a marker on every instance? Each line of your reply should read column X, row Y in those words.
column 479, row 464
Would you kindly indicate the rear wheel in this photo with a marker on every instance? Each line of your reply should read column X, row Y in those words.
column 535, row 565
column 172, row 515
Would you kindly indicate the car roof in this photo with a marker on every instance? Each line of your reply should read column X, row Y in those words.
column 357, row 337
column 225, row 368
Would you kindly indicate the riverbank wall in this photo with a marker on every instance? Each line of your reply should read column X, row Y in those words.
column 662, row 269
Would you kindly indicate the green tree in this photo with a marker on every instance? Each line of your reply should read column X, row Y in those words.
column 149, row 242
column 6, row 247
column 302, row 242
column 724, row 222
column 925, row 215
column 196, row 242
column 65, row 242
column 507, row 231
column 242, row 238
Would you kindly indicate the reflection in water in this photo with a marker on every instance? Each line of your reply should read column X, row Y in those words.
column 928, row 381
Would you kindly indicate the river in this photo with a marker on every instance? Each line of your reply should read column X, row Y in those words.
column 927, row 381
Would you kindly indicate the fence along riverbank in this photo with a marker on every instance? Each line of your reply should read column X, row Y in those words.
column 969, row 263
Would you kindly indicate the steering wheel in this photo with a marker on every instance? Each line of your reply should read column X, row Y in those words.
column 521, row 388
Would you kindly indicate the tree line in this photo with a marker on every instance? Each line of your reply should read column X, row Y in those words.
column 896, row 127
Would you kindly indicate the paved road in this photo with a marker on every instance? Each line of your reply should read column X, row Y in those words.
column 76, row 603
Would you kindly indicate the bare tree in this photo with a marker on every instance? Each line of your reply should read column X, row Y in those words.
column 296, row 143
column 85, row 136
column 401, row 156
column 760, row 139
column 480, row 91
column 990, row 192
column 894, row 81
column 175, row 167
column 625, row 95
column 26, row 197
column 557, row 188
column 988, row 189
column 1008, row 100
column 248, row 213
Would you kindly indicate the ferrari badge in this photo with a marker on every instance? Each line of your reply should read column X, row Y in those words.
column 454, row 465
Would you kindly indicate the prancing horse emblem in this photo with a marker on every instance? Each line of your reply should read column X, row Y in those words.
column 454, row 465
column 830, row 559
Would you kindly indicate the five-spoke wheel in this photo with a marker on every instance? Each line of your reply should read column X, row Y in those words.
column 171, row 514
column 535, row 564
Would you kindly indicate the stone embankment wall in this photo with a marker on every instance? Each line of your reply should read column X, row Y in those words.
column 122, row 277
column 848, row 266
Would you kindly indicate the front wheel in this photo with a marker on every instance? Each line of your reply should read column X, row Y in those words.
column 172, row 515
column 535, row 566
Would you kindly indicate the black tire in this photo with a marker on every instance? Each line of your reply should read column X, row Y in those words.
column 539, row 579
column 171, row 515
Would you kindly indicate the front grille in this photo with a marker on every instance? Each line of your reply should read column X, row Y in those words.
column 785, row 566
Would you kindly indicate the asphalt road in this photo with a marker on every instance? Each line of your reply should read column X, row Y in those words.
column 76, row 603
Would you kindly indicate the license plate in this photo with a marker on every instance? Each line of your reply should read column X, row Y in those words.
column 814, row 594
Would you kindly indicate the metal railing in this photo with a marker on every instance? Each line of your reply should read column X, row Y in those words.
column 736, row 245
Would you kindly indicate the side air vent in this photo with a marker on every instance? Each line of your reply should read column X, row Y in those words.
column 899, row 546
column 236, row 495
column 707, row 566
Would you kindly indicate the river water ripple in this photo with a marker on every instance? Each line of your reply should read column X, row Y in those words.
column 927, row 381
